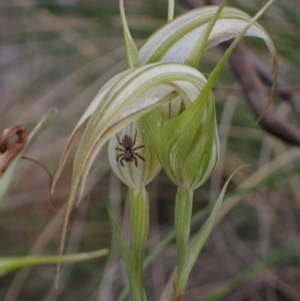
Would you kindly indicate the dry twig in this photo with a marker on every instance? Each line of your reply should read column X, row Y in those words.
column 250, row 78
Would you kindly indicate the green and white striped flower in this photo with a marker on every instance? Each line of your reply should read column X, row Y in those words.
column 187, row 144
column 163, row 75
column 143, row 167
column 135, row 92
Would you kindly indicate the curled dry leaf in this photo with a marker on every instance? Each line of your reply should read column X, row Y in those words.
column 12, row 141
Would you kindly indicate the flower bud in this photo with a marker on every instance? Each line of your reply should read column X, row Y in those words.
column 186, row 145
column 132, row 158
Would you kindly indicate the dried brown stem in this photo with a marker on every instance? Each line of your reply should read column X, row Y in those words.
column 256, row 94
column 257, row 97
column 50, row 202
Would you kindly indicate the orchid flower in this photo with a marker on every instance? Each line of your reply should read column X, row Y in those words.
column 170, row 105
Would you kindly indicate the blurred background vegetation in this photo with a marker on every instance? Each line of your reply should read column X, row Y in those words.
column 58, row 53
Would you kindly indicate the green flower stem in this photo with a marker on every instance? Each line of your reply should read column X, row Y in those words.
column 183, row 212
column 139, row 216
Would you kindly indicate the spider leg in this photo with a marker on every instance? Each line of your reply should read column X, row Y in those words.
column 135, row 161
column 137, row 147
column 121, row 161
column 120, row 155
column 134, row 139
column 138, row 155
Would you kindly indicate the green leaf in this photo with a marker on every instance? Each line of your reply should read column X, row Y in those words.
column 201, row 237
column 9, row 264
column 136, row 296
column 131, row 50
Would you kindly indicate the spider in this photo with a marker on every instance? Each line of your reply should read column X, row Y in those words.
column 128, row 150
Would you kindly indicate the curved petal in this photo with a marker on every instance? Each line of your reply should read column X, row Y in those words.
column 88, row 112
column 134, row 94
column 130, row 98
column 222, row 31
column 174, row 41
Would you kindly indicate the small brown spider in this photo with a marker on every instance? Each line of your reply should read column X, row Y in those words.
column 128, row 150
